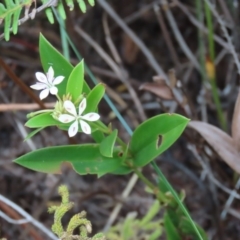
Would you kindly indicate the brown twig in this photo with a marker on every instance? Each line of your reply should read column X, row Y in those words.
column 23, row 106
column 166, row 35
column 21, row 84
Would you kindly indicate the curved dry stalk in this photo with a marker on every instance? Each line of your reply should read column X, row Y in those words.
column 28, row 217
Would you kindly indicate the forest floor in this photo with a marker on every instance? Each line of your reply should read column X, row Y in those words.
column 184, row 164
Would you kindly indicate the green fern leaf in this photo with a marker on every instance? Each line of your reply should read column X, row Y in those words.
column 10, row 14
column 61, row 11
column 7, row 25
column 82, row 6
column 91, row 2
column 16, row 16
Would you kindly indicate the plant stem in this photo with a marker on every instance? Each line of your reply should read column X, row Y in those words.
column 159, row 195
column 162, row 177
column 211, row 73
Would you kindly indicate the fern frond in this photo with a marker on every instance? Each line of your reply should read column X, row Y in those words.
column 70, row 4
column 10, row 13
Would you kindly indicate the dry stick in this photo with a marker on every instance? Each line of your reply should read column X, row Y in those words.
column 109, row 41
column 166, row 35
column 23, row 106
column 131, row 18
column 178, row 35
column 199, row 25
column 21, row 84
column 236, row 60
column 13, row 215
column 114, row 67
column 28, row 217
column 125, row 77
column 226, row 11
column 234, row 213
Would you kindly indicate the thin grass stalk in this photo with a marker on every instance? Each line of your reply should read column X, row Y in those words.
column 64, row 41
column 211, row 72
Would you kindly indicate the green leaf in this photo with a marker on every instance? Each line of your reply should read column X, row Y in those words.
column 123, row 170
column 7, row 26
column 91, row 2
column 70, row 4
column 94, row 97
column 107, row 145
column 49, row 15
column 82, row 6
column 85, row 159
column 152, row 212
column 42, row 120
column 75, row 81
column 188, row 230
column 171, row 231
column 61, row 11
column 51, row 57
column 31, row 134
column 98, row 136
column 16, row 16
column 154, row 136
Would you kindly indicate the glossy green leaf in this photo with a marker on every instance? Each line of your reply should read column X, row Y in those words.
column 49, row 15
column 85, row 159
column 16, row 17
column 98, row 136
column 51, row 57
column 42, row 120
column 107, row 145
column 123, row 170
column 154, row 136
column 188, row 230
column 171, row 231
column 94, row 97
column 82, row 6
column 91, row 2
column 31, row 134
column 61, row 10
column 75, row 81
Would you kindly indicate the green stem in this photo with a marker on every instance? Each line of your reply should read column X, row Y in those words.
column 212, row 77
column 159, row 195
column 162, row 177
column 32, row 114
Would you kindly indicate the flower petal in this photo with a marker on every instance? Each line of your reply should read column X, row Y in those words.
column 72, row 131
column 82, row 106
column 53, row 90
column 69, row 106
column 50, row 74
column 85, row 127
column 41, row 77
column 66, row 118
column 38, row 86
column 58, row 80
column 91, row 117
column 44, row 93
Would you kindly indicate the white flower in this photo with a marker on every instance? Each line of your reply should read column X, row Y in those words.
column 67, row 118
column 47, row 83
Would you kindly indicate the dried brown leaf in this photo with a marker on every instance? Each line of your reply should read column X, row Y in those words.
column 221, row 142
column 158, row 88
column 129, row 49
column 236, row 124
